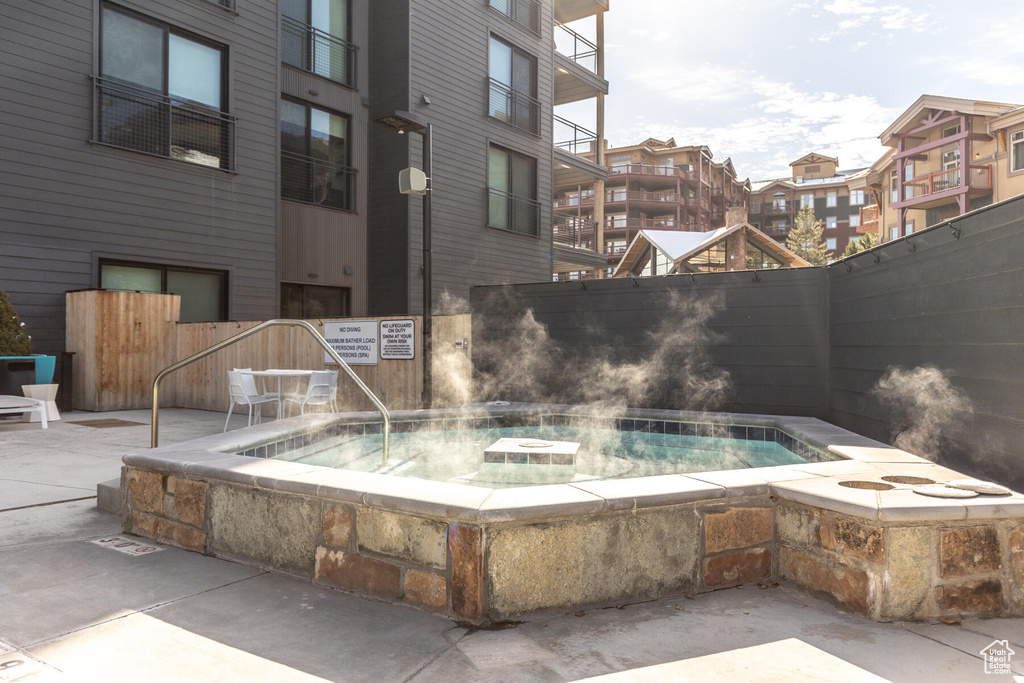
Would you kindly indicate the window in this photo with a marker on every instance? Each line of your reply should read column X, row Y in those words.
column 314, row 301
column 203, row 292
column 812, row 169
column 512, row 191
column 779, row 199
column 894, row 187
column 951, row 131
column 1017, row 151
column 856, row 197
column 513, row 93
column 161, row 91
column 909, row 228
column 315, row 37
column 524, row 12
column 854, row 220
column 830, row 243
column 908, row 176
column 894, row 233
column 950, row 159
column 806, row 200
column 830, row 199
column 314, row 157
column 830, row 222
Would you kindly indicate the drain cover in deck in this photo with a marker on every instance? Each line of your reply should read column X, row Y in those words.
column 107, row 423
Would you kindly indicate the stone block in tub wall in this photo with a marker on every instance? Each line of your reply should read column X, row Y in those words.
column 403, row 537
column 466, row 545
column 147, row 490
column 729, row 569
column 429, row 591
column 639, row 556
column 267, row 530
column 366, row 575
column 851, row 537
column 907, row 578
column 1015, row 566
column 823, row 573
column 969, row 550
column 738, row 527
column 190, row 501
column 167, row 531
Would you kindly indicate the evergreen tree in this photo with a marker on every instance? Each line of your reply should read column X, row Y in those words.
column 863, row 243
column 14, row 339
column 805, row 238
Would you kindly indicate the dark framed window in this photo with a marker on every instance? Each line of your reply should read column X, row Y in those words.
column 512, row 191
column 315, row 37
column 161, row 91
column 203, row 292
column 513, row 86
column 315, row 301
column 526, row 13
column 315, row 156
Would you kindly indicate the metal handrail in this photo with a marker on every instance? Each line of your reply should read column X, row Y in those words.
column 386, row 430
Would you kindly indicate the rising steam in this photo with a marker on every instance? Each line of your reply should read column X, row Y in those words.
column 519, row 361
column 926, row 408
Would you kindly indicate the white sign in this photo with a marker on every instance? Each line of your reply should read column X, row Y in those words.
column 127, row 545
column 354, row 340
column 397, row 340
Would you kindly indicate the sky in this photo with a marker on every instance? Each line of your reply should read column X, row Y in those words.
column 767, row 82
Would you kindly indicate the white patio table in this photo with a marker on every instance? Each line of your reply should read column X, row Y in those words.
column 280, row 374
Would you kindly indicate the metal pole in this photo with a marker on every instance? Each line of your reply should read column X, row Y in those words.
column 428, row 142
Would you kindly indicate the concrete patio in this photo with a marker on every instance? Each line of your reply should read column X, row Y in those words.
column 75, row 610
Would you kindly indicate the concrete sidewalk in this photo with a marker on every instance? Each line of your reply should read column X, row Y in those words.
column 75, row 610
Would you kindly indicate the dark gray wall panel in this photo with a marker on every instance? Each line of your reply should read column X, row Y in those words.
column 65, row 203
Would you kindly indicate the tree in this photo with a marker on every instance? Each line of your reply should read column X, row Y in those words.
column 863, row 243
column 14, row 339
column 805, row 238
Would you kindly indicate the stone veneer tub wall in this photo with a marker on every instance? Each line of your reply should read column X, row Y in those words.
column 482, row 555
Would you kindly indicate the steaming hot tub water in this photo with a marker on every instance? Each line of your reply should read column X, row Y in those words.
column 497, row 457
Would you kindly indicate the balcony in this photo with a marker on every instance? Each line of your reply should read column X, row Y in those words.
column 315, row 181
column 945, row 184
column 780, row 208
column 145, row 122
column 571, row 10
column 514, row 107
column 775, row 231
column 648, row 170
column 576, row 48
column 577, row 234
column 575, row 200
column 868, row 219
column 640, row 196
column 647, row 224
column 317, row 52
column 573, row 138
column 526, row 13
column 512, row 212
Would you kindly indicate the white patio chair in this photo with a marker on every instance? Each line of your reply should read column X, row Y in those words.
column 245, row 393
column 318, row 392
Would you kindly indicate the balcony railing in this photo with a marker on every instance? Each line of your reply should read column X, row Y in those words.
column 526, row 13
column 142, row 121
column 775, row 231
column 514, row 107
column 868, row 219
column 647, row 169
column 573, row 138
column 620, row 223
column 315, row 51
column 314, row 181
column 576, row 47
column 584, row 199
column 777, row 208
column 511, row 212
column 579, row 234
column 615, row 196
column 980, row 177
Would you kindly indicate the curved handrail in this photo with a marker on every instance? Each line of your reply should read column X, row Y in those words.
column 386, row 431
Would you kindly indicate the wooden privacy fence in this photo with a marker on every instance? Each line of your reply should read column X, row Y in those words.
column 123, row 339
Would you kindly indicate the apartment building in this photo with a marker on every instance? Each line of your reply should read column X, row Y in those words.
column 946, row 156
column 221, row 150
column 817, row 182
column 654, row 185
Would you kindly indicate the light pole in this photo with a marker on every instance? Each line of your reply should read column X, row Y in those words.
column 404, row 121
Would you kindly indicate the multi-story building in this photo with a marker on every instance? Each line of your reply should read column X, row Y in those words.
column 947, row 156
column 221, row 150
column 815, row 181
column 654, row 185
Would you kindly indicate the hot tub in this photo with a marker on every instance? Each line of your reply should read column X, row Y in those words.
column 504, row 535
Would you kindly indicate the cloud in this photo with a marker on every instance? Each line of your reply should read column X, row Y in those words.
column 868, row 16
column 784, row 123
column 995, row 58
column 700, row 83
